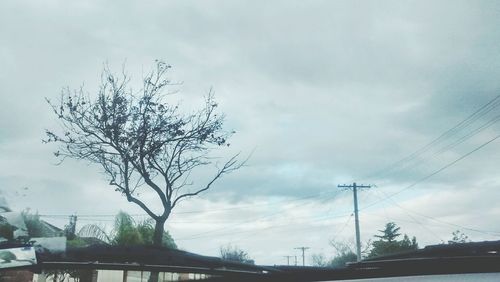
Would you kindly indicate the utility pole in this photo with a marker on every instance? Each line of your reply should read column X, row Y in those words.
column 303, row 254
column 70, row 229
column 288, row 259
column 355, row 188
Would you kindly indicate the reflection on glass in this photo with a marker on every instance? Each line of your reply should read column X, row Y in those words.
column 14, row 257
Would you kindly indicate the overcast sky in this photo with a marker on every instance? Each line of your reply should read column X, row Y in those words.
column 320, row 93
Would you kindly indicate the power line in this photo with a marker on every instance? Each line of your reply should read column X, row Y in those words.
column 457, row 142
column 470, row 134
column 311, row 196
column 292, row 229
column 329, row 217
column 254, row 231
column 435, row 172
column 343, row 227
column 413, row 218
column 486, row 108
column 210, row 233
column 486, row 232
column 403, row 220
column 195, row 236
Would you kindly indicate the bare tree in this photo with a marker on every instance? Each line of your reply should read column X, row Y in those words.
column 234, row 253
column 319, row 260
column 458, row 237
column 141, row 140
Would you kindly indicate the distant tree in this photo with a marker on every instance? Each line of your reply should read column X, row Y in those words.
column 458, row 237
column 126, row 231
column 34, row 224
column 90, row 234
column 408, row 244
column 342, row 260
column 320, row 260
column 234, row 253
column 390, row 233
column 387, row 243
column 6, row 230
column 140, row 140
column 343, row 255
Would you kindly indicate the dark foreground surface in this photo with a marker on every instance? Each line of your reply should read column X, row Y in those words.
column 473, row 261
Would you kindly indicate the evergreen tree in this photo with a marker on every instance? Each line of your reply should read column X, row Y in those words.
column 388, row 243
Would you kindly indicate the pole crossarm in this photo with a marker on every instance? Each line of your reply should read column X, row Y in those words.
column 350, row 186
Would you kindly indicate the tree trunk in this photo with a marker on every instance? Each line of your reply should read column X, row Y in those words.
column 157, row 241
column 159, row 230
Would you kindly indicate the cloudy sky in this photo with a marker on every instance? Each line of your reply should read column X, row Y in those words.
column 320, row 93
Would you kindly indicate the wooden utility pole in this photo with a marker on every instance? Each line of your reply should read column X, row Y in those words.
column 355, row 188
column 288, row 259
column 303, row 254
